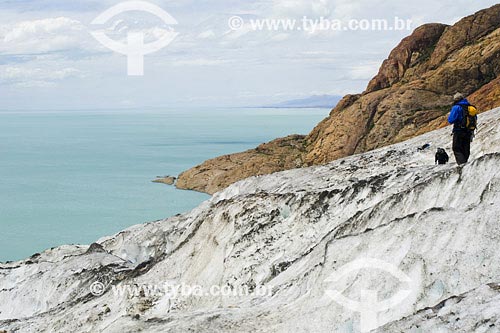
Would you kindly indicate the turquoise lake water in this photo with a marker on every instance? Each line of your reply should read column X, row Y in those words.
column 71, row 177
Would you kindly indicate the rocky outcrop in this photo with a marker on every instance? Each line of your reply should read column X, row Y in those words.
column 411, row 51
column 167, row 180
column 411, row 95
column 287, row 240
column 213, row 175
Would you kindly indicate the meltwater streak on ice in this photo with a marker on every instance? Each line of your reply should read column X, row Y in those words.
column 75, row 176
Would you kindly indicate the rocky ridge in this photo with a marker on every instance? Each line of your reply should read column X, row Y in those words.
column 411, row 95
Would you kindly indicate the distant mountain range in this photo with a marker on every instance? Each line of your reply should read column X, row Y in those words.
column 316, row 101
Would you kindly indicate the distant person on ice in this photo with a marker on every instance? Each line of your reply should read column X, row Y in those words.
column 463, row 116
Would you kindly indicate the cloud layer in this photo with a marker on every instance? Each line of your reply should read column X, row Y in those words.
column 46, row 45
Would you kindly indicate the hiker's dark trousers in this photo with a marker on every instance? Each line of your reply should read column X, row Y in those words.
column 461, row 146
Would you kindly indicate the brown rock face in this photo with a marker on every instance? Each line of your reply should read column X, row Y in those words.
column 467, row 31
column 411, row 95
column 411, row 51
column 216, row 174
column 488, row 97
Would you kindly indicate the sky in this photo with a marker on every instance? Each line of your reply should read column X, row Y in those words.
column 50, row 60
